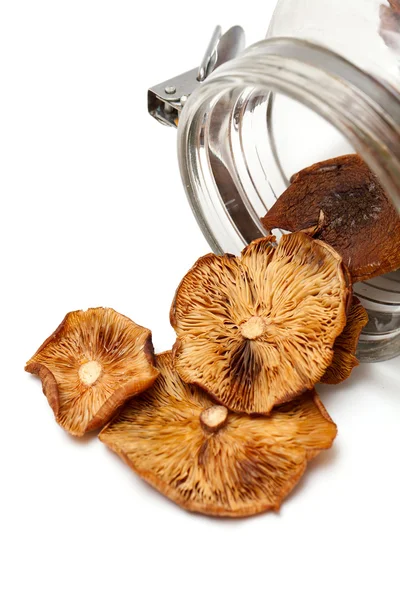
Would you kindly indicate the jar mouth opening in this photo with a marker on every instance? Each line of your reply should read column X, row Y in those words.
column 229, row 162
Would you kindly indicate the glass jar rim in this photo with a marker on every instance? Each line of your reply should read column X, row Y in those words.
column 364, row 109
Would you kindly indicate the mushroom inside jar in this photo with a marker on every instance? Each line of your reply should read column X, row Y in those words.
column 341, row 202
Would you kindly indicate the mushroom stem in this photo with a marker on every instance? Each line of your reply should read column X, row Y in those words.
column 213, row 418
column 253, row 328
column 90, row 372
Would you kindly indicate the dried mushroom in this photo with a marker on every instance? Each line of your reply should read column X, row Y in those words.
column 257, row 331
column 390, row 23
column 344, row 358
column 91, row 364
column 342, row 203
column 212, row 461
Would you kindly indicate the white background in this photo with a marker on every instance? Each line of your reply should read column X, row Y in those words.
column 93, row 213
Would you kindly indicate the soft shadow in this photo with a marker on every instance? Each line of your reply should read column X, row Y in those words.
column 86, row 439
column 147, row 488
column 154, row 494
column 340, row 392
column 322, row 461
column 377, row 376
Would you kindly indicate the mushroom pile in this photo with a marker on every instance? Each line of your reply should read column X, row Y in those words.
column 226, row 422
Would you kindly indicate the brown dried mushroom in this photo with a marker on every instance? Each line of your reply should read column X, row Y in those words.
column 344, row 358
column 342, row 203
column 257, row 331
column 390, row 23
column 91, row 364
column 395, row 5
column 212, row 461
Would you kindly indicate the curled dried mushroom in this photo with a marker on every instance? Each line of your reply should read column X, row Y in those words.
column 212, row 461
column 341, row 202
column 91, row 364
column 344, row 358
column 258, row 330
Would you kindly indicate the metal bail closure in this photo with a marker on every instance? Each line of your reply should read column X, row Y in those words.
column 166, row 100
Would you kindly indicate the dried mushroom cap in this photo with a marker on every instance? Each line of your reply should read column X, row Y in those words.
column 390, row 23
column 257, row 331
column 344, row 358
column 91, row 364
column 342, row 203
column 240, row 466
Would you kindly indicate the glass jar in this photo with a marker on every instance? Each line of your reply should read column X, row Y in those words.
column 325, row 82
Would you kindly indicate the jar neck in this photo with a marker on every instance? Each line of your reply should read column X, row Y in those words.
column 228, row 185
column 366, row 32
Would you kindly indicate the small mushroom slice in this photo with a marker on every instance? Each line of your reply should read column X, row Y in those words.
column 257, row 331
column 341, row 202
column 210, row 460
column 344, row 357
column 91, row 364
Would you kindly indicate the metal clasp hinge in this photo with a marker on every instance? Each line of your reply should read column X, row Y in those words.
column 166, row 100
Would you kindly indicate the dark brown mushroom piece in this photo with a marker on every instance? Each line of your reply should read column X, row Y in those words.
column 344, row 357
column 210, row 460
column 341, row 202
column 259, row 330
column 91, row 364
